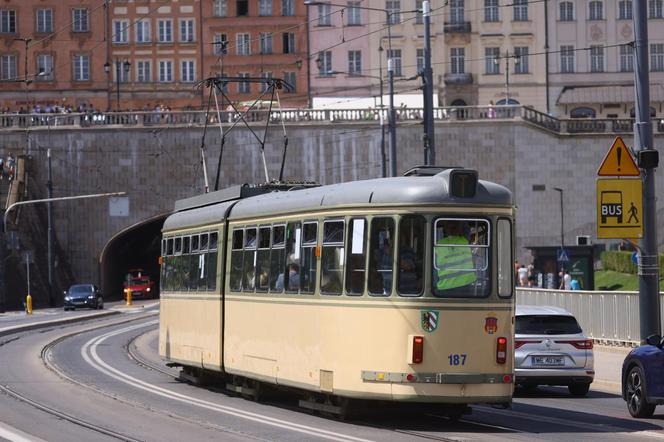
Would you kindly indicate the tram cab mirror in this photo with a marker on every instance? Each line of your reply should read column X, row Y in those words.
column 463, row 183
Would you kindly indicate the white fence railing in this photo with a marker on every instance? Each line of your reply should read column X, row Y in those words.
column 606, row 317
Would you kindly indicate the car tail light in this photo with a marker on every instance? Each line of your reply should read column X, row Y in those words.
column 418, row 349
column 501, row 350
column 521, row 343
column 583, row 344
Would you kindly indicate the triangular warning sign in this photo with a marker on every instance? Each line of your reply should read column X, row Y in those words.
column 618, row 161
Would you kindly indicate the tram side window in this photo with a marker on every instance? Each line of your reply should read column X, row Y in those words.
column 505, row 269
column 412, row 233
column 263, row 259
column 235, row 279
column 277, row 257
column 166, row 280
column 461, row 258
column 355, row 266
column 289, row 278
column 332, row 259
column 194, row 265
column 249, row 265
column 308, row 268
column 381, row 260
column 211, row 261
column 178, row 265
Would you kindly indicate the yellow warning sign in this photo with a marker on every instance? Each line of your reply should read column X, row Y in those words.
column 619, row 208
column 618, row 161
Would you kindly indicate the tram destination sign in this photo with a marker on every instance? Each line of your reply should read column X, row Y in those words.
column 619, row 208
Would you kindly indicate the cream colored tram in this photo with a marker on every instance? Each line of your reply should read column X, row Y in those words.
column 354, row 290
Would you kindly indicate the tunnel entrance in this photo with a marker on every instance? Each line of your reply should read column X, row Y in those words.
column 136, row 247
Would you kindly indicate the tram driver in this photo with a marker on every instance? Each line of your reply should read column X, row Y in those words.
column 453, row 257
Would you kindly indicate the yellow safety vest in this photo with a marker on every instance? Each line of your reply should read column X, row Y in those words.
column 454, row 265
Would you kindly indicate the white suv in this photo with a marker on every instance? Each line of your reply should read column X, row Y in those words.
column 551, row 349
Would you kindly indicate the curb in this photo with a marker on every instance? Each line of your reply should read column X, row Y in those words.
column 36, row 325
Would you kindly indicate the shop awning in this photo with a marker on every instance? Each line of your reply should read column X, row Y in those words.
column 607, row 94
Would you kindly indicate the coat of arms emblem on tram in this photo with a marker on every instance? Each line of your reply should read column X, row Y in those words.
column 429, row 320
column 491, row 324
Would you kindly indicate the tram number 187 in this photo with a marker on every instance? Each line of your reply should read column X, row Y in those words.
column 457, row 359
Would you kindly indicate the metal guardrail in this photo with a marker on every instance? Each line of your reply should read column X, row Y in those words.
column 324, row 116
column 606, row 317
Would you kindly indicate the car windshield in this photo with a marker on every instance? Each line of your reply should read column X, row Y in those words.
column 140, row 281
column 546, row 325
column 79, row 289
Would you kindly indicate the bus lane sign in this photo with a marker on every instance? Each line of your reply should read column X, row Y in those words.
column 619, row 208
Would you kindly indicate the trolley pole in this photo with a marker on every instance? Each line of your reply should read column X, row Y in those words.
column 430, row 145
column 648, row 160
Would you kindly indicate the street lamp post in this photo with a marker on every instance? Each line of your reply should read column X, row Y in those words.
column 427, row 75
column 390, row 75
column 27, row 82
column 120, row 66
column 507, row 57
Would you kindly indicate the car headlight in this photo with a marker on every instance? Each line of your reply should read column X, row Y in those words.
column 148, row 289
column 91, row 297
column 67, row 298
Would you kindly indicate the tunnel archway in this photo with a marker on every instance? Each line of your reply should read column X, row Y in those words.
column 135, row 247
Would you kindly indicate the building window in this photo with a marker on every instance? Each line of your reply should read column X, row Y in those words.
column 45, row 67
column 395, row 56
column 491, row 11
column 44, row 20
column 265, row 7
column 79, row 18
column 419, row 15
column 566, row 58
column 457, row 11
column 520, row 10
column 625, row 10
column 354, row 14
column 220, row 8
column 288, row 42
column 8, row 22
column 324, row 15
column 220, row 44
column 265, row 86
column 291, row 79
column 165, row 29
column 566, row 11
column 187, row 33
column 355, row 62
column 287, row 7
column 143, row 71
column 120, row 31
column 243, row 87
column 81, row 67
column 626, row 58
column 595, row 10
column 121, row 75
column 521, row 60
column 266, row 43
column 7, row 67
column 243, row 44
column 188, row 71
column 596, row 59
column 419, row 60
column 143, row 31
column 242, row 7
column 657, row 57
column 324, row 62
column 458, row 60
column 393, row 11
column 165, row 71
column 655, row 9
column 492, row 61
column 582, row 112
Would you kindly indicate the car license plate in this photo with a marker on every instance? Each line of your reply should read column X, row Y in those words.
column 548, row 361
column 138, row 293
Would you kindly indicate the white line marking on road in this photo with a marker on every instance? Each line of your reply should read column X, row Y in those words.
column 95, row 361
column 15, row 435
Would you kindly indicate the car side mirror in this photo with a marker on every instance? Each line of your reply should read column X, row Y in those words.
column 655, row 340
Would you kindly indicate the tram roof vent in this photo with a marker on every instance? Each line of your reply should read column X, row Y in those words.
column 428, row 170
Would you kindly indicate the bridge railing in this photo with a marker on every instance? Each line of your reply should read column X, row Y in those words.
column 607, row 317
column 331, row 116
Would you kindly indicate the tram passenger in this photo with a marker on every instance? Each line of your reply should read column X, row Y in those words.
column 293, row 278
column 408, row 282
column 454, row 262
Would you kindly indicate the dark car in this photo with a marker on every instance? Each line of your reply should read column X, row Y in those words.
column 83, row 295
column 643, row 377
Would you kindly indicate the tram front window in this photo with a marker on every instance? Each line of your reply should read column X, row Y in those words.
column 461, row 258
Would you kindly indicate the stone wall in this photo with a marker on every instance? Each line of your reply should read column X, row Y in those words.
column 157, row 166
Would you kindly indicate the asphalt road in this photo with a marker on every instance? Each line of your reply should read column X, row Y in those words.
column 83, row 382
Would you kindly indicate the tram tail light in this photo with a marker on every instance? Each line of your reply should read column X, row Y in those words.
column 416, row 349
column 501, row 350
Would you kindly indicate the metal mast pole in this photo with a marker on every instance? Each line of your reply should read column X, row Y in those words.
column 648, row 159
column 383, row 162
column 430, row 153
column 392, row 114
column 49, row 187
column 117, row 84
